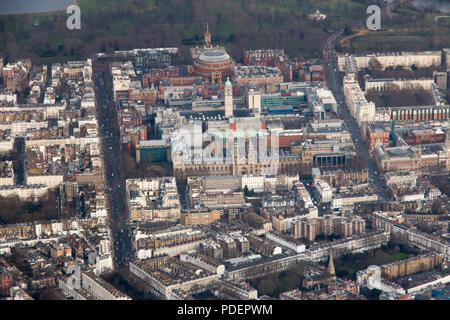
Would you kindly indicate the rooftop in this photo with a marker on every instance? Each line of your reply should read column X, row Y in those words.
column 214, row 55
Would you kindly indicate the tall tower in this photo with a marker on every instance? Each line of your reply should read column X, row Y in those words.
column 331, row 263
column 207, row 37
column 228, row 98
column 254, row 100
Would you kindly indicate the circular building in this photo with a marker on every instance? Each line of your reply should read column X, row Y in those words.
column 214, row 64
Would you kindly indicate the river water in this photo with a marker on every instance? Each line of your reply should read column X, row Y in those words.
column 31, row 6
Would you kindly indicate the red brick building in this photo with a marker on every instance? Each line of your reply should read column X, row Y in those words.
column 6, row 282
column 424, row 137
column 375, row 132
column 155, row 75
column 215, row 65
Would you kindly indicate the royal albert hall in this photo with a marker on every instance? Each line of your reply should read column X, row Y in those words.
column 214, row 64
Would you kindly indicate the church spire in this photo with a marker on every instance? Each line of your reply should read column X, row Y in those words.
column 207, row 37
column 392, row 134
column 331, row 263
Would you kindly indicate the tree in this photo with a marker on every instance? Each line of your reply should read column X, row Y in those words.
column 268, row 285
column 347, row 30
column 374, row 64
column 48, row 294
column 374, row 294
column 436, row 207
column 320, row 237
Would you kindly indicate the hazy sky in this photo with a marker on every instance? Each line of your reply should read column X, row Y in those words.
column 22, row 6
column 440, row 5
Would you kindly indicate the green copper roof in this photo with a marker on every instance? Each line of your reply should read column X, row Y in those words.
column 228, row 82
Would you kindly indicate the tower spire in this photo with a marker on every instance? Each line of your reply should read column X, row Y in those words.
column 392, row 134
column 207, row 37
column 331, row 263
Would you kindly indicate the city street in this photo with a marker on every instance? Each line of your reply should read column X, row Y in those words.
column 334, row 83
column 115, row 184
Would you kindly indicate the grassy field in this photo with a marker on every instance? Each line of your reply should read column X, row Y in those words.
column 352, row 268
column 347, row 266
column 407, row 29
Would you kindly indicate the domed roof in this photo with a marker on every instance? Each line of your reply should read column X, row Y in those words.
column 214, row 55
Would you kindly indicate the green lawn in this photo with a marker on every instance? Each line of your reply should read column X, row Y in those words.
column 349, row 265
column 408, row 30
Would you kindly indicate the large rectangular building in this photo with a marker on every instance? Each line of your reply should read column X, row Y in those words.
column 199, row 216
column 342, row 226
column 392, row 59
column 153, row 199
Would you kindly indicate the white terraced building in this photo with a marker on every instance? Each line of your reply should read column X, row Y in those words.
column 393, row 59
column 359, row 107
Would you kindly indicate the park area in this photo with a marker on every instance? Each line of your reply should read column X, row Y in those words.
column 404, row 27
column 347, row 265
